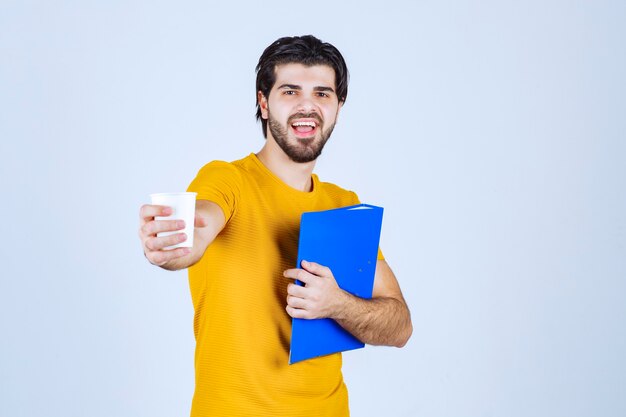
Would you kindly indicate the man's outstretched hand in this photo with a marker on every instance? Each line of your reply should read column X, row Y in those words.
column 153, row 245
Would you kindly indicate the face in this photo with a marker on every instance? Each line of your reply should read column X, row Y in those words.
column 301, row 110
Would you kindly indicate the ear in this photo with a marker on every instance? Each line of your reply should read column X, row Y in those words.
column 338, row 109
column 262, row 100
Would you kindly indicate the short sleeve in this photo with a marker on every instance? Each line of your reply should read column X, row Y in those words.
column 355, row 201
column 219, row 182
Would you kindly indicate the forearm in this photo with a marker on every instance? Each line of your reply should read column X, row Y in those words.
column 377, row 321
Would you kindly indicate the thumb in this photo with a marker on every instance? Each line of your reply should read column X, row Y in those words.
column 200, row 221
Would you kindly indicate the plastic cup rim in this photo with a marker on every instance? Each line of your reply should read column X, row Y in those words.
column 172, row 194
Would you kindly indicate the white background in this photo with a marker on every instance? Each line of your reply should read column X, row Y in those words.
column 493, row 133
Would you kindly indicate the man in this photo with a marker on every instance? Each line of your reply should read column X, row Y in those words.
column 241, row 265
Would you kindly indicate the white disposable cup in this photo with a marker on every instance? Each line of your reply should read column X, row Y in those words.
column 183, row 208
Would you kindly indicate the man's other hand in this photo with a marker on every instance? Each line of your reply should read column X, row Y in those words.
column 320, row 297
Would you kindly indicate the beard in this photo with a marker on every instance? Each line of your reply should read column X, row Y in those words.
column 299, row 150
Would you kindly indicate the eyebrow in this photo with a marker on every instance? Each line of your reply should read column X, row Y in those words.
column 323, row 89
column 297, row 87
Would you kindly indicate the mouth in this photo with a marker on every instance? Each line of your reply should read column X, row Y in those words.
column 304, row 128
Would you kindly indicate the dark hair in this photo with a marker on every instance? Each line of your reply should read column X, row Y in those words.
column 306, row 50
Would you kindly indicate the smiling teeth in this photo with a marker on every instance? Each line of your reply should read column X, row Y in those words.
column 304, row 124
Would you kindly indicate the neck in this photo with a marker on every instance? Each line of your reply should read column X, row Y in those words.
column 294, row 174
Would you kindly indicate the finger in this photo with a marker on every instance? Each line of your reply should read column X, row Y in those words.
column 151, row 228
column 200, row 221
column 162, row 257
column 297, row 313
column 296, row 290
column 296, row 302
column 316, row 269
column 157, row 243
column 299, row 274
column 149, row 211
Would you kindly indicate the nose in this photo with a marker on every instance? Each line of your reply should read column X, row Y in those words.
column 306, row 105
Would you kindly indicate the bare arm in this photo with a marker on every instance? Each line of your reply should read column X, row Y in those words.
column 208, row 223
column 382, row 320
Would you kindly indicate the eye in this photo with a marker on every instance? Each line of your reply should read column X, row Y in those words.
column 289, row 92
column 322, row 94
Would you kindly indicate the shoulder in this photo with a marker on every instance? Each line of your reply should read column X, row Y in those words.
column 220, row 182
column 217, row 175
column 222, row 167
column 232, row 171
column 344, row 196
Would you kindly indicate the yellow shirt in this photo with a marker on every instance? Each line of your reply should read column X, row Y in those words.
column 239, row 295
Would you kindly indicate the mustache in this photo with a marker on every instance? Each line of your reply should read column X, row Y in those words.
column 302, row 115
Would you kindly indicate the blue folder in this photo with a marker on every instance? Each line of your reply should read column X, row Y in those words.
column 345, row 240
